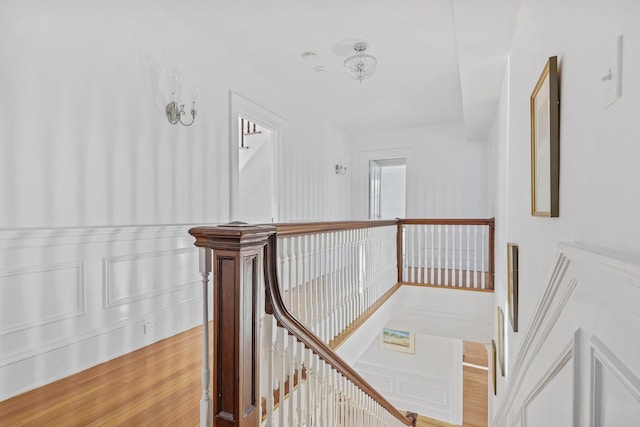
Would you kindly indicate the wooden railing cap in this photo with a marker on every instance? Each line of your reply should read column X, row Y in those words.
column 233, row 235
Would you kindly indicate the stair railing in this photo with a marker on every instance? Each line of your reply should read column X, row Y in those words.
column 315, row 387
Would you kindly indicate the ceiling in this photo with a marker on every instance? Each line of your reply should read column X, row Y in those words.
column 439, row 61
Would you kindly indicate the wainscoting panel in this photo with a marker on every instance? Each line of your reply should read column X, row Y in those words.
column 73, row 298
column 428, row 382
column 58, row 291
column 591, row 301
column 134, row 277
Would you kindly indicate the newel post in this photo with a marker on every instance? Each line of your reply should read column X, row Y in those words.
column 236, row 357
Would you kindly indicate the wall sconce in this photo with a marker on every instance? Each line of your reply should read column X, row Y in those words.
column 341, row 169
column 175, row 111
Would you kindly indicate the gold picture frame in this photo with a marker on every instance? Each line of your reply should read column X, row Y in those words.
column 397, row 340
column 545, row 143
column 494, row 375
column 512, row 284
column 501, row 340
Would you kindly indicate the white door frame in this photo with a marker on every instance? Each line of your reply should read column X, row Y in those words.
column 241, row 106
column 362, row 177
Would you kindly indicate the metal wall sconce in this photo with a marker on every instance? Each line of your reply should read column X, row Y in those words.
column 341, row 169
column 175, row 112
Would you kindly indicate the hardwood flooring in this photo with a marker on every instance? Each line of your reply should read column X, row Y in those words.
column 159, row 385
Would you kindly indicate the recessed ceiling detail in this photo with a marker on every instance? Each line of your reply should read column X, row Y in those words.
column 434, row 55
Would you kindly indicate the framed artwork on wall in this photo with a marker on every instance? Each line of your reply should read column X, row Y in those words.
column 512, row 284
column 501, row 340
column 545, row 143
column 494, row 375
column 397, row 340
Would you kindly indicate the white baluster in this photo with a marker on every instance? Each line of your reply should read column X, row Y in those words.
column 299, row 364
column 454, row 281
column 292, row 272
column 468, row 265
column 268, row 325
column 206, row 407
column 483, row 267
column 459, row 227
column 439, row 276
column 281, row 371
column 446, row 254
column 433, row 247
column 292, row 372
column 475, row 258
column 306, row 389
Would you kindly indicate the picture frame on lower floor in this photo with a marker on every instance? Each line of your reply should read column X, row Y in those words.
column 501, row 340
column 397, row 340
column 512, row 284
column 545, row 143
column 494, row 375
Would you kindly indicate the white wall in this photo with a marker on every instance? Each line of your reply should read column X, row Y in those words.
column 85, row 149
column 428, row 382
column 599, row 148
column 446, row 175
column 393, row 197
column 255, row 184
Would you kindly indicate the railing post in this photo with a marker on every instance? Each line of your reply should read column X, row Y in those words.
column 399, row 249
column 236, row 356
column 492, row 252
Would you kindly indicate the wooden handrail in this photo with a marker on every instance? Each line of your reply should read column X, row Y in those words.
column 275, row 306
column 290, row 229
column 447, row 221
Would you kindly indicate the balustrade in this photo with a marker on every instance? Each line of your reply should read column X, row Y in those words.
column 313, row 282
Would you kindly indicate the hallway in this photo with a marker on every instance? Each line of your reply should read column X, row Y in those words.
column 159, row 385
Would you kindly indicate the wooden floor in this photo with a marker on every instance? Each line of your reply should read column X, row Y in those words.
column 159, row 385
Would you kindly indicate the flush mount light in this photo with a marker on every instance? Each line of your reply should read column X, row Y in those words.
column 361, row 65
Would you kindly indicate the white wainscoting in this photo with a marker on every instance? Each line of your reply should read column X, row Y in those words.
column 428, row 382
column 73, row 298
column 579, row 364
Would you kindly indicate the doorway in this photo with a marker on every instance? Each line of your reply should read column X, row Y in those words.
column 254, row 161
column 255, row 173
column 387, row 188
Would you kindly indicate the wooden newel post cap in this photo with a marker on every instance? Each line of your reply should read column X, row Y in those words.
column 234, row 235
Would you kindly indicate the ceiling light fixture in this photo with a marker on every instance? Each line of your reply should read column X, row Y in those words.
column 361, row 65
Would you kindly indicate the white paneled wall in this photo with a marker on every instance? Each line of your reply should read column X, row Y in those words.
column 72, row 298
column 446, row 174
column 94, row 179
column 578, row 364
column 428, row 382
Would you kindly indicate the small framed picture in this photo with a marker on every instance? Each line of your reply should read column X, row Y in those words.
column 397, row 340
column 494, row 375
column 512, row 284
column 545, row 142
column 501, row 340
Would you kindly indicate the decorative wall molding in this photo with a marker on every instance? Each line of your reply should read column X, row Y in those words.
column 561, row 361
column 577, row 267
column 53, row 284
column 434, row 391
column 107, row 283
column 43, row 237
column 78, row 286
column 80, row 345
column 603, row 358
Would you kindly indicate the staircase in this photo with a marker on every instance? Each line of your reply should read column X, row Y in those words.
column 284, row 294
